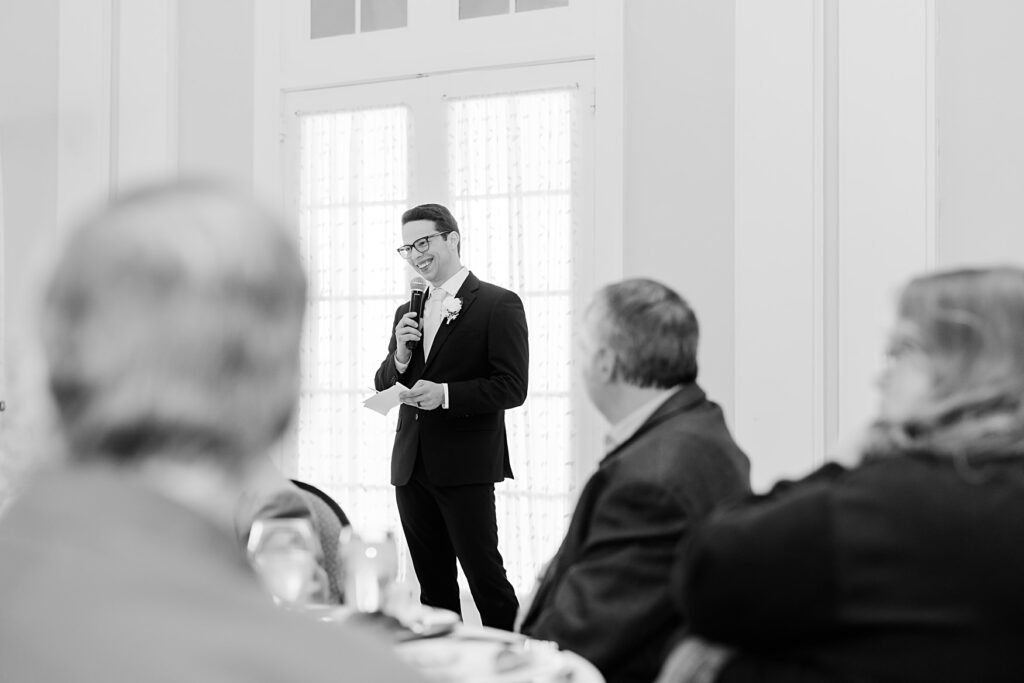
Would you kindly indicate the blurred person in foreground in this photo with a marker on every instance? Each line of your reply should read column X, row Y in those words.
column 669, row 460
column 908, row 566
column 171, row 329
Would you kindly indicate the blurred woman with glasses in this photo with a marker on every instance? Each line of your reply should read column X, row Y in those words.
column 909, row 566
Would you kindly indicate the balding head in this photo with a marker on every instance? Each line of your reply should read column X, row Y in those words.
column 171, row 327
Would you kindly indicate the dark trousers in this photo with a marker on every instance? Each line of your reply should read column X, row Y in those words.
column 442, row 523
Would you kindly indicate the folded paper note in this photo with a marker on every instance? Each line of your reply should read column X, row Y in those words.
column 383, row 401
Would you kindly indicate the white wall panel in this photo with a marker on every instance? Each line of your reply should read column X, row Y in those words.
column 884, row 235
column 84, row 144
column 29, row 35
column 268, row 163
column 776, row 180
column 980, row 103
column 835, row 209
column 146, row 102
column 216, row 97
column 678, row 167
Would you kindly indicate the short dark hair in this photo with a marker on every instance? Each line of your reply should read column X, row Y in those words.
column 652, row 331
column 442, row 217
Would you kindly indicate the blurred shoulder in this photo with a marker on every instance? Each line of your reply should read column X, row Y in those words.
column 907, row 473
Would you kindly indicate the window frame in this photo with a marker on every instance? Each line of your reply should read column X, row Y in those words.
column 434, row 40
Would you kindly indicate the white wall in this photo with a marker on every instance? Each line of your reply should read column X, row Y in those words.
column 216, row 86
column 28, row 150
column 874, row 140
column 678, row 170
column 89, row 108
column 28, row 134
column 834, row 193
column 779, row 234
column 145, row 125
column 884, row 184
column 980, row 128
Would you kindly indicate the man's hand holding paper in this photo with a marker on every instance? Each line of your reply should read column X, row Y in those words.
column 383, row 401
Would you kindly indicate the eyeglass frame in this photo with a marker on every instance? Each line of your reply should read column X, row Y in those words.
column 406, row 249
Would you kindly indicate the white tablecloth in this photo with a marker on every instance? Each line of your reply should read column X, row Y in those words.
column 486, row 655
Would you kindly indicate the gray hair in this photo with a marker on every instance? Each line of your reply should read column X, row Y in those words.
column 971, row 328
column 652, row 331
column 171, row 326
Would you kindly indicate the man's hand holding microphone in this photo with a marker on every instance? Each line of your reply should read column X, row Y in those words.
column 408, row 334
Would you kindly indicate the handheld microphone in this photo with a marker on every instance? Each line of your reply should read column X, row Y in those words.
column 416, row 299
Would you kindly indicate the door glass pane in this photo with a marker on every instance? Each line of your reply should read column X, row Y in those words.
column 511, row 166
column 469, row 9
column 353, row 188
column 382, row 14
column 331, row 18
column 527, row 5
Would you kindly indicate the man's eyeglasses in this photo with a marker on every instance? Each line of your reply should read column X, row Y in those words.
column 421, row 245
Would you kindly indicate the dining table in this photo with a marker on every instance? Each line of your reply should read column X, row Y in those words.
column 443, row 648
column 487, row 655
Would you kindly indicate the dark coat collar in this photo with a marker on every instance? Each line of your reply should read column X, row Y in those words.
column 686, row 398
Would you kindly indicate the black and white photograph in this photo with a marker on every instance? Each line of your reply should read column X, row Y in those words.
column 511, row 341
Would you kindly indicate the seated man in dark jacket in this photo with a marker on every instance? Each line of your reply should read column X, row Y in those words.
column 670, row 459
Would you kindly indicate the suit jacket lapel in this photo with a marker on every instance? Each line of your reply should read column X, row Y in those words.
column 467, row 292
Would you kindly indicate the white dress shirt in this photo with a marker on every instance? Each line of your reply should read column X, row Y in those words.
column 620, row 432
column 432, row 318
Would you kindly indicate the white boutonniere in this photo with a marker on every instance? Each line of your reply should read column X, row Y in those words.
column 450, row 307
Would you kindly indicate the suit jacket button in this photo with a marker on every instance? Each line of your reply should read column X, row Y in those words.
column 416, row 416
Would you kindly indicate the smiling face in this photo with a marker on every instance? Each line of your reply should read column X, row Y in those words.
column 441, row 259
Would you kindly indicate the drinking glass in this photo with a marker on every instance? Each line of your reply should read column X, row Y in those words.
column 284, row 554
column 370, row 566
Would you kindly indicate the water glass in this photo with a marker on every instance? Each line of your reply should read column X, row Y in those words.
column 284, row 553
column 369, row 567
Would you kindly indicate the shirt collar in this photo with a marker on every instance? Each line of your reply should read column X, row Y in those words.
column 453, row 284
column 620, row 432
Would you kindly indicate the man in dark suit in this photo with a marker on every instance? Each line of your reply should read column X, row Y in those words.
column 670, row 459
column 464, row 368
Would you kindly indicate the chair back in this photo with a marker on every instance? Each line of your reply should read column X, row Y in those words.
column 329, row 520
column 330, row 502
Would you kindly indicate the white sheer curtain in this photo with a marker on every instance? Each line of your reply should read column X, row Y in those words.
column 511, row 181
column 353, row 188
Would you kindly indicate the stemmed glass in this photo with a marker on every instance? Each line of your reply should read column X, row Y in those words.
column 284, row 553
column 370, row 566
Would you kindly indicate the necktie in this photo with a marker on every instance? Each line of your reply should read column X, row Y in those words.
column 432, row 318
